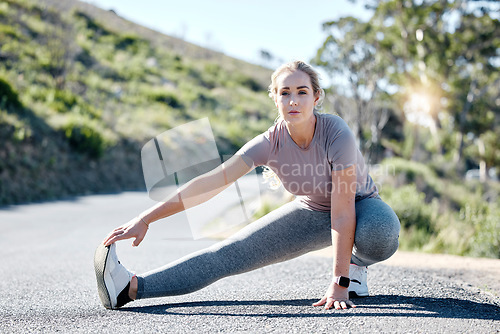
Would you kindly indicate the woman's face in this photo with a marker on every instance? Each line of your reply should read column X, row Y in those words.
column 295, row 97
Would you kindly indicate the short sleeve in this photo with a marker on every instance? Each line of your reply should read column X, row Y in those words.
column 256, row 151
column 342, row 148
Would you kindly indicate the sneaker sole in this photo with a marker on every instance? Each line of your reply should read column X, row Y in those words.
column 354, row 294
column 100, row 258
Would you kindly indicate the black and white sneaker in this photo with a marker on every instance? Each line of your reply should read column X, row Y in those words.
column 358, row 286
column 113, row 279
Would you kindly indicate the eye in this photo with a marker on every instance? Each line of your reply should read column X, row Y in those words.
column 302, row 92
column 284, row 93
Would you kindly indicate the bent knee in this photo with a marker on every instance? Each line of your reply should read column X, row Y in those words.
column 376, row 219
column 377, row 230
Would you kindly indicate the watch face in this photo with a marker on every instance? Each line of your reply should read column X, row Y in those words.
column 344, row 281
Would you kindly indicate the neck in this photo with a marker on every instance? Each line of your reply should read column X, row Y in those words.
column 302, row 134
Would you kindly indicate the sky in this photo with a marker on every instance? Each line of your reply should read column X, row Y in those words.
column 289, row 30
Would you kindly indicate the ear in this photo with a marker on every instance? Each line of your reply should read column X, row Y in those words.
column 318, row 95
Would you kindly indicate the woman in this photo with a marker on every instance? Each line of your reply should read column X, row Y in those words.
column 337, row 203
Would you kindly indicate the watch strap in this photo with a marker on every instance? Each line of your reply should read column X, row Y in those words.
column 342, row 281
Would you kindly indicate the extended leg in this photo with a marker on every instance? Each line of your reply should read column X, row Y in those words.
column 283, row 234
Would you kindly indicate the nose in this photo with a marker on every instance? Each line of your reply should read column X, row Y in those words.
column 293, row 102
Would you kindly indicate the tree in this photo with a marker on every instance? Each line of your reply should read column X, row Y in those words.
column 432, row 58
column 475, row 102
column 350, row 53
column 451, row 50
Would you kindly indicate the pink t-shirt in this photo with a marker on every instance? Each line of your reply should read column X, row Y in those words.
column 307, row 173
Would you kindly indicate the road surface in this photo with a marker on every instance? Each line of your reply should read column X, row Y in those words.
column 48, row 284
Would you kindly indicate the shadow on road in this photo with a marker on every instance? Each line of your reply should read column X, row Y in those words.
column 376, row 306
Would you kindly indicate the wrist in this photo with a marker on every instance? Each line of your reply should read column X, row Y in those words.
column 342, row 281
column 144, row 221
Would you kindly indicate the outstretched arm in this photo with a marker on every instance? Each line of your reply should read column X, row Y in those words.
column 196, row 191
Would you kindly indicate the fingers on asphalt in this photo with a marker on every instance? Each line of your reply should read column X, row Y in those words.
column 344, row 304
column 329, row 304
column 320, row 302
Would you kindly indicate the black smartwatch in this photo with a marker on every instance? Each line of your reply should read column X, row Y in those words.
column 342, row 281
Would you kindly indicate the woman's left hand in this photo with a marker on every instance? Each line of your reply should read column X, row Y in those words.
column 337, row 297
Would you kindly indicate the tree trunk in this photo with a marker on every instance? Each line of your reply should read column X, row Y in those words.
column 483, row 175
column 463, row 114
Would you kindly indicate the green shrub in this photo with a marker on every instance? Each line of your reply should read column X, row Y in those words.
column 418, row 218
column 206, row 101
column 131, row 43
column 85, row 58
column 91, row 24
column 164, row 96
column 411, row 169
column 212, row 75
column 13, row 127
column 61, row 100
column 485, row 219
column 442, row 214
column 248, row 82
column 65, row 101
column 123, row 42
column 8, row 31
column 8, row 96
column 84, row 136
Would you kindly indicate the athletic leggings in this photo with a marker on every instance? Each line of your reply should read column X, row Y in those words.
column 281, row 235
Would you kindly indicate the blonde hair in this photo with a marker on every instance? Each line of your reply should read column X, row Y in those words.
column 291, row 67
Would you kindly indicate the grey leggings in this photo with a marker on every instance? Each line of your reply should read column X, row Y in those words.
column 281, row 235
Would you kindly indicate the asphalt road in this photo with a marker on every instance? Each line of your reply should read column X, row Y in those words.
column 48, row 284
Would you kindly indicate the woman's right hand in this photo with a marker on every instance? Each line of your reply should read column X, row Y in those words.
column 135, row 228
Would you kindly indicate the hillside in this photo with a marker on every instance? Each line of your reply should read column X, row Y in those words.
column 82, row 90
